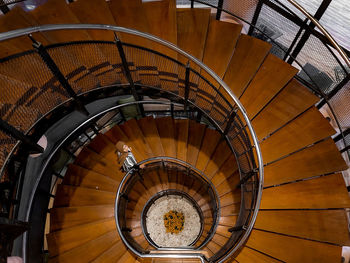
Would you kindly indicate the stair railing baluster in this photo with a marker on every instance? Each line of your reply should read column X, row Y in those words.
column 187, row 85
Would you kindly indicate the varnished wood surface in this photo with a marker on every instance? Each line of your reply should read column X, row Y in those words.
column 248, row 255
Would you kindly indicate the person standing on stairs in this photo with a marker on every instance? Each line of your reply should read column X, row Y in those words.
column 125, row 156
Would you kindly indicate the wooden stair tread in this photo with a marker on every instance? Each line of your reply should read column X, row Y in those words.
column 166, row 132
column 290, row 249
column 112, row 254
column 226, row 170
column 195, row 137
column 247, row 255
column 103, row 146
column 291, row 101
column 181, row 127
column 94, row 12
column 65, row 217
column 192, row 26
column 89, row 250
column 323, row 192
column 212, row 138
column 150, row 132
column 273, row 75
column 218, row 158
column 64, row 240
column 248, row 56
column 296, row 135
column 79, row 196
column 321, row 158
column 320, row 225
column 217, row 54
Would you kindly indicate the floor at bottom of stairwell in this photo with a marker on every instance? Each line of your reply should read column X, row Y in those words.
column 156, row 226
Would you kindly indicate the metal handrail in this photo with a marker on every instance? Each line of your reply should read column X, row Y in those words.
column 323, row 30
column 30, row 30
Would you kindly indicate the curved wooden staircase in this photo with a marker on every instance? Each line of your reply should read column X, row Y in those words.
column 301, row 217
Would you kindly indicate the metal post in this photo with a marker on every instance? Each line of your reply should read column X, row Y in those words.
column 187, row 85
column 219, row 9
column 192, row 3
column 230, row 121
column 58, row 74
column 255, row 17
column 3, row 7
column 247, row 177
column 127, row 71
column 18, row 135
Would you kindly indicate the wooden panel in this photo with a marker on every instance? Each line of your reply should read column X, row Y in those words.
column 57, row 12
column 79, row 176
column 248, row 255
column 232, row 197
column 322, row 225
column 93, row 161
column 323, row 192
column 291, row 101
column 116, row 134
column 181, row 138
column 64, row 217
column 67, row 239
column 226, row 170
column 219, row 46
column 321, row 158
column 161, row 17
column 112, row 254
column 213, row 247
column 303, row 131
column 79, row 196
column 128, row 257
column 273, row 75
column 135, row 135
column 291, row 249
column 94, row 12
column 89, row 250
column 166, row 132
column 195, row 136
column 221, row 154
column 192, row 26
column 245, row 62
column 210, row 141
column 230, row 210
column 229, row 221
column 150, row 132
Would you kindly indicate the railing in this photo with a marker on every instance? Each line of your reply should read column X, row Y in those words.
column 169, row 163
column 71, row 85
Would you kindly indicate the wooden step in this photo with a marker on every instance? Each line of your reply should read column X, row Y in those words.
column 166, row 132
column 136, row 137
column 95, row 162
column 273, row 75
column 320, row 225
column 248, row 56
column 289, row 103
column 218, row 158
column 150, row 132
column 303, row 131
column 212, row 138
column 181, row 132
column 229, row 210
column 290, row 249
column 94, row 12
column 104, row 147
column 17, row 19
column 127, row 257
column 79, row 196
column 229, row 198
column 195, row 137
column 112, row 254
column 89, row 250
column 226, row 170
column 229, row 221
column 65, row 217
column 65, row 240
column 218, row 53
column 323, row 192
column 161, row 17
column 79, row 176
column 212, row 247
column 321, row 158
column 192, row 27
column 58, row 12
column 248, row 255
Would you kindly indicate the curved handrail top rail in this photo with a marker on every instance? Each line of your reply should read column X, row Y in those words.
column 30, row 30
column 323, row 30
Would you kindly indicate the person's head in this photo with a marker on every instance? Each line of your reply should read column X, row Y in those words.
column 122, row 147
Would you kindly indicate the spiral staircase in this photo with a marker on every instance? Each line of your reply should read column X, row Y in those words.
column 302, row 211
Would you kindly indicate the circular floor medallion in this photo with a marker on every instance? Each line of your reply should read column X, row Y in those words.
column 172, row 221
